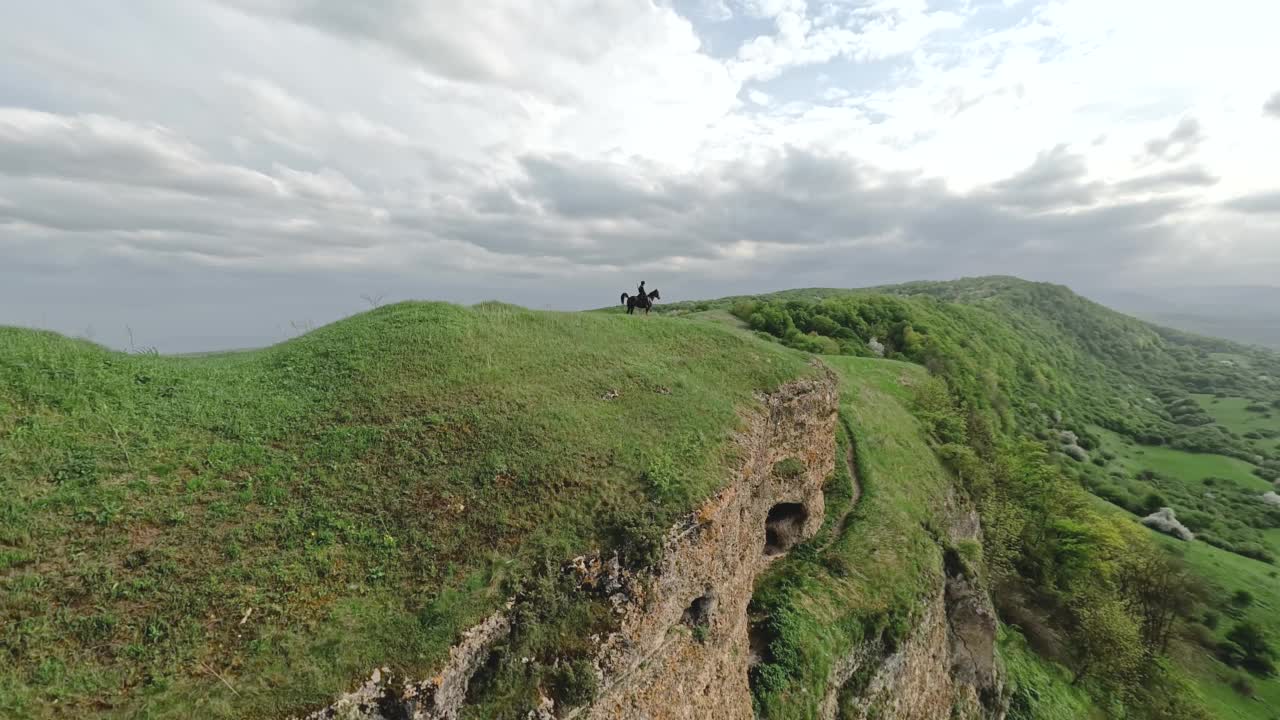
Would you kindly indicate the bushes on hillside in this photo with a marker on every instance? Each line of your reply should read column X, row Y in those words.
column 1093, row 580
column 1013, row 362
column 1248, row 647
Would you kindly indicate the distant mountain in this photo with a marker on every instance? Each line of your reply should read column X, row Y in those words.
column 1246, row 314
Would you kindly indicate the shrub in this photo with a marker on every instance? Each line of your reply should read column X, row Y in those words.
column 789, row 468
column 1241, row 684
column 743, row 310
column 573, row 683
column 1246, row 646
column 636, row 538
column 662, row 476
column 1153, row 502
column 1075, row 452
column 1201, row 636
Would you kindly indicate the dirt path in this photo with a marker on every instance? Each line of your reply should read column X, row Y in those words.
column 851, row 466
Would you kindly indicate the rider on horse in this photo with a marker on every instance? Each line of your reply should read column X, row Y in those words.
column 642, row 300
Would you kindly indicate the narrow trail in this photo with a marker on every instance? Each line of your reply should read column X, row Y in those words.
column 851, row 467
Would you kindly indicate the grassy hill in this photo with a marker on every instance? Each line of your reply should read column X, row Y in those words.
column 245, row 535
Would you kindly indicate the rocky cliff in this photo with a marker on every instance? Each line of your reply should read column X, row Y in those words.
column 683, row 648
column 684, row 651
column 946, row 668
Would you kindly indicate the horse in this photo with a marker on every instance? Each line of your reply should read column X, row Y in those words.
column 640, row 301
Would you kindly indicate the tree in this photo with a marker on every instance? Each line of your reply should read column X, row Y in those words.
column 773, row 320
column 1109, row 643
column 1159, row 589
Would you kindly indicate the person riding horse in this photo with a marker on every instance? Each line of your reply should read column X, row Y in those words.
column 642, row 299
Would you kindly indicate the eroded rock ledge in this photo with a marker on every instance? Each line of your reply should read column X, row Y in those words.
column 682, row 650
column 946, row 668
column 659, row 668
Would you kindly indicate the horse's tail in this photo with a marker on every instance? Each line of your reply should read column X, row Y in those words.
column 624, row 298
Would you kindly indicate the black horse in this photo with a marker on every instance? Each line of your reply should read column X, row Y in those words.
column 644, row 302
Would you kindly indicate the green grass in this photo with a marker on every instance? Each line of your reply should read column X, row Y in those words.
column 829, row 595
column 1040, row 689
column 1232, row 413
column 246, row 535
column 1216, row 496
column 1227, row 573
column 1188, row 467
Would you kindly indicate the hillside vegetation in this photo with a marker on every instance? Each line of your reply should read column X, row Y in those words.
column 1047, row 395
column 247, row 535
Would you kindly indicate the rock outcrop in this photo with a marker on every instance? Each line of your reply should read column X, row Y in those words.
column 655, row 668
column 682, row 649
column 946, row 668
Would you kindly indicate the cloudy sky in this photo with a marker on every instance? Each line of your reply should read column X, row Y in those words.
column 220, row 173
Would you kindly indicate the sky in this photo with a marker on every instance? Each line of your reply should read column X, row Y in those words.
column 213, row 174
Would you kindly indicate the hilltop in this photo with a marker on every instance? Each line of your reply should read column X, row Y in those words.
column 250, row 534
column 295, row 516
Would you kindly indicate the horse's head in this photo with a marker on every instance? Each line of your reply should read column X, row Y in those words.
column 654, row 295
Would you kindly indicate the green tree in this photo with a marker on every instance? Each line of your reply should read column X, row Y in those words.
column 1108, row 642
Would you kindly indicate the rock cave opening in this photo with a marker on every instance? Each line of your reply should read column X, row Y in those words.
column 783, row 527
column 698, row 614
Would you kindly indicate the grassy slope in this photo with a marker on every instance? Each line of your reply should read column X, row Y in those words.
column 863, row 583
column 1227, row 572
column 1231, row 412
column 867, row 580
column 339, row 485
column 1185, row 479
column 244, row 535
column 1040, row 690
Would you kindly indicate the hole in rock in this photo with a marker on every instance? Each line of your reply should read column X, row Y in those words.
column 698, row 614
column 759, row 639
column 783, row 527
column 952, row 564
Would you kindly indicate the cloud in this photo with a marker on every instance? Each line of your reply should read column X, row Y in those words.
column 796, row 204
column 1265, row 203
column 1180, row 143
column 1057, row 178
column 105, row 149
column 520, row 44
column 1272, row 106
column 716, row 10
column 1188, row 178
column 547, row 152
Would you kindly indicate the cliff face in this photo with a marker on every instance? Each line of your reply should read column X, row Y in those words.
column 683, row 647
column 946, row 668
column 684, row 651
